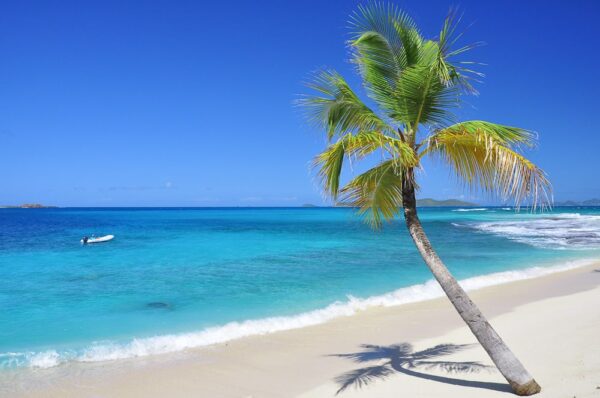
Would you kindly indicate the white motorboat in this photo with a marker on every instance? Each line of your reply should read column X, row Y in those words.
column 97, row 239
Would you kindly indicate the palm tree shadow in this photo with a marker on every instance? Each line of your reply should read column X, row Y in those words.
column 401, row 358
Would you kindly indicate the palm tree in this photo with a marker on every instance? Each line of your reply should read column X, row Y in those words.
column 415, row 84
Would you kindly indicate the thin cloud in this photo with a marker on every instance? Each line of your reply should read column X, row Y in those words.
column 287, row 198
column 252, row 199
column 138, row 188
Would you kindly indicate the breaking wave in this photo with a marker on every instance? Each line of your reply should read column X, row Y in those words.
column 564, row 231
column 139, row 347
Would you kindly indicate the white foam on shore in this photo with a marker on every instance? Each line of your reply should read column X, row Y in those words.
column 235, row 330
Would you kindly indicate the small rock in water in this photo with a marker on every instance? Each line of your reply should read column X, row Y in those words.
column 158, row 304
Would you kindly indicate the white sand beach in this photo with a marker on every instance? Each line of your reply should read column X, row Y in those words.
column 552, row 323
column 296, row 199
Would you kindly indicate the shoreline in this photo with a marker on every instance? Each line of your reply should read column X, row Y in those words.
column 298, row 357
column 220, row 334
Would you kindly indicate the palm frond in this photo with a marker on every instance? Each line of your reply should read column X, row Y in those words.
column 413, row 80
column 385, row 42
column 411, row 40
column 379, row 67
column 507, row 135
column 406, row 75
column 329, row 162
column 386, row 21
column 377, row 192
column 485, row 155
column 359, row 145
column 423, row 98
column 337, row 108
column 451, row 73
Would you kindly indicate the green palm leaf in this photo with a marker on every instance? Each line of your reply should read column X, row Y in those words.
column 377, row 192
column 330, row 161
column 485, row 155
column 507, row 135
column 386, row 42
column 338, row 109
column 424, row 99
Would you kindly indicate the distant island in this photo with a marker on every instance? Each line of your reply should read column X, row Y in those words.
column 27, row 206
column 428, row 202
column 589, row 202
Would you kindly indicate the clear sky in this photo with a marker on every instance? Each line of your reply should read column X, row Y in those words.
column 189, row 103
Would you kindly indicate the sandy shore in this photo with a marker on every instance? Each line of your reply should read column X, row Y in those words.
column 552, row 323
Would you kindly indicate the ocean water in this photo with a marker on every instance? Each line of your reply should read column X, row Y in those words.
column 179, row 278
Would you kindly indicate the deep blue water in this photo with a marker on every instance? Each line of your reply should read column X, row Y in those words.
column 174, row 271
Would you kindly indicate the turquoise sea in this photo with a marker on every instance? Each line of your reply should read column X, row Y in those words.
column 178, row 278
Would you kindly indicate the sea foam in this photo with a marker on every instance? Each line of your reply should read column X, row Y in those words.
column 235, row 330
column 563, row 231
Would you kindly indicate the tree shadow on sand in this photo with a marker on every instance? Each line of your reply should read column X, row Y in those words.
column 401, row 358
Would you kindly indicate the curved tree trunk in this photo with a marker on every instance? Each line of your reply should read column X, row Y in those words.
column 507, row 363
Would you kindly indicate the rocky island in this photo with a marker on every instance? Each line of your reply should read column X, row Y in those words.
column 27, row 206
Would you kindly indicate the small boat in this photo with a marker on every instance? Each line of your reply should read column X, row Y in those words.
column 98, row 239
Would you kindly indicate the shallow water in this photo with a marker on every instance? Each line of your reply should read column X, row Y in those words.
column 177, row 278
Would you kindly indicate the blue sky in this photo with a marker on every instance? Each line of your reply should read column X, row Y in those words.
column 176, row 103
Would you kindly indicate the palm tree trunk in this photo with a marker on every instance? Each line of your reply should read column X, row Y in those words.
column 507, row 363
